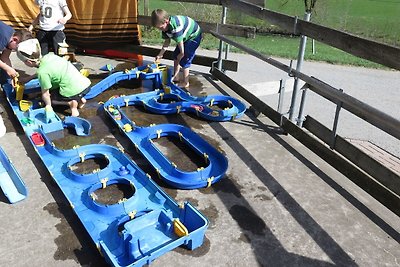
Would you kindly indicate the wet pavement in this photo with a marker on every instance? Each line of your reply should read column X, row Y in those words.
column 278, row 205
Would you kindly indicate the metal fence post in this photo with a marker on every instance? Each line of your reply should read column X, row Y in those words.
column 282, row 84
column 300, row 59
column 300, row 118
column 221, row 43
column 335, row 123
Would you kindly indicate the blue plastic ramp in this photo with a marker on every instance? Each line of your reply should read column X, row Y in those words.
column 81, row 126
column 10, row 181
column 152, row 72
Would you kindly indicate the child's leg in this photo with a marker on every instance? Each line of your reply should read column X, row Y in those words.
column 177, row 69
column 82, row 102
column 57, row 38
column 185, row 83
column 73, row 104
column 190, row 50
column 44, row 42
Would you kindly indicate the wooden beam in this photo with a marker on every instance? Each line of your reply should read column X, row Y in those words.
column 209, row 2
column 353, row 173
column 229, row 29
column 226, row 29
column 199, row 59
column 362, row 110
column 371, row 166
column 371, row 50
column 217, row 2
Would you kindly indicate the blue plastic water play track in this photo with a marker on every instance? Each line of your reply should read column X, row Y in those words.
column 213, row 107
column 132, row 232
column 157, row 76
column 171, row 99
column 216, row 164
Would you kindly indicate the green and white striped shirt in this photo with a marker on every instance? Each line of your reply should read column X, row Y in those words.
column 181, row 28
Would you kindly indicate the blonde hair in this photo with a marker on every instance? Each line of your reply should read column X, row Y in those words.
column 158, row 16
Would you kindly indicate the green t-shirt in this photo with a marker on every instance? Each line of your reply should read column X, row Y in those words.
column 57, row 72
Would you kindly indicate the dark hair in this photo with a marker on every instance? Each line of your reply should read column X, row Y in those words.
column 23, row 35
column 158, row 16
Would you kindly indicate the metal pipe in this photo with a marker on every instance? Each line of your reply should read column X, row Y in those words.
column 335, row 123
column 300, row 59
column 282, row 84
column 226, row 50
column 221, row 43
column 300, row 118
column 313, row 46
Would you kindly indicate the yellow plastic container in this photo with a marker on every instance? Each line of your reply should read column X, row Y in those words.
column 127, row 128
column 19, row 89
column 179, row 229
column 85, row 72
column 24, row 105
column 164, row 72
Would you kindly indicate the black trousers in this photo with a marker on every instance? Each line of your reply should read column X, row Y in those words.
column 49, row 40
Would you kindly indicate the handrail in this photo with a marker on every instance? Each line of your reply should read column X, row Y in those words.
column 364, row 111
column 226, row 29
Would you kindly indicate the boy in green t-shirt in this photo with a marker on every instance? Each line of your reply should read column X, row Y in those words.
column 55, row 75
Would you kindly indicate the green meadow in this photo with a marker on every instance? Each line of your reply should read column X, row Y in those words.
column 372, row 19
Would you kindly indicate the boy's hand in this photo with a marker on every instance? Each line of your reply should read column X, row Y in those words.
column 11, row 72
column 62, row 20
column 49, row 113
column 14, row 79
column 158, row 57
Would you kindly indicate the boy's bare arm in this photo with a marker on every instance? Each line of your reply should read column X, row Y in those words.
column 163, row 49
column 182, row 49
column 46, row 97
column 34, row 23
column 67, row 15
column 5, row 63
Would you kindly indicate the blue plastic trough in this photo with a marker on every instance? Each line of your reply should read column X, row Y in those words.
column 81, row 126
column 215, row 164
column 10, row 181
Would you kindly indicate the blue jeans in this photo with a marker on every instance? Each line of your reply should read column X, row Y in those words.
column 190, row 47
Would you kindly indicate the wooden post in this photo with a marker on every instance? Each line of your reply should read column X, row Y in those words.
column 257, row 2
column 146, row 7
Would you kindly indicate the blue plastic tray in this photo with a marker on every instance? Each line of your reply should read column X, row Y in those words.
column 10, row 181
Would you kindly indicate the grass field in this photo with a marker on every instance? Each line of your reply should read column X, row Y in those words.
column 373, row 19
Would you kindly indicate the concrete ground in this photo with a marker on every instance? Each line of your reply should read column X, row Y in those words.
column 279, row 204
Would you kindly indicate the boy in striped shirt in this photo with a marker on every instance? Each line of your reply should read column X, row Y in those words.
column 187, row 35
